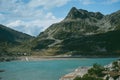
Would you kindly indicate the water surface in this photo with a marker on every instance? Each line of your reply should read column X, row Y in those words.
column 45, row 69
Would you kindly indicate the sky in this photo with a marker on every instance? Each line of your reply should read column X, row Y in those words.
column 34, row 16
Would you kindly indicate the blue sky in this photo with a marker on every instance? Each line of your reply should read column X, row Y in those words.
column 34, row 16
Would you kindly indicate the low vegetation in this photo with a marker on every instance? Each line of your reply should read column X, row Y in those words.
column 98, row 72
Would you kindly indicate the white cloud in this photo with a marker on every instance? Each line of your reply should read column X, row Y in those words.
column 110, row 1
column 1, row 16
column 50, row 16
column 32, row 27
column 30, row 17
column 47, row 3
column 86, row 2
column 15, row 23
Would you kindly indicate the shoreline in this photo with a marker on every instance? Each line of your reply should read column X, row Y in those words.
column 37, row 58
column 80, row 71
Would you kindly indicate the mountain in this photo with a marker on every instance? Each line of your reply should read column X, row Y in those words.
column 10, row 39
column 11, row 36
column 81, row 33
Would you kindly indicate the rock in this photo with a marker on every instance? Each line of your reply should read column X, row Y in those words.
column 2, row 70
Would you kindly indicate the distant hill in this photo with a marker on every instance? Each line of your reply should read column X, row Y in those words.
column 9, row 35
column 81, row 33
column 10, row 38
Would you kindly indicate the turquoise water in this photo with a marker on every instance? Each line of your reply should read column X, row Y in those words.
column 45, row 69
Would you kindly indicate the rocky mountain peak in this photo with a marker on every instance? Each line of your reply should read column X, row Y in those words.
column 81, row 32
column 73, row 13
column 73, row 9
column 82, row 14
column 99, row 15
column 83, row 11
column 76, row 14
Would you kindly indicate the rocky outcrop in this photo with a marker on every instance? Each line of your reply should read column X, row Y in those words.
column 109, row 72
column 78, row 72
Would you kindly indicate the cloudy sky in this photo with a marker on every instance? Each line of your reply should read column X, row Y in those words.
column 34, row 16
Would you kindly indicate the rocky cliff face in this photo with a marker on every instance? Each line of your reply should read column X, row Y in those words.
column 81, row 32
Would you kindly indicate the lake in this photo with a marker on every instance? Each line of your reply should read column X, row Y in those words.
column 46, row 69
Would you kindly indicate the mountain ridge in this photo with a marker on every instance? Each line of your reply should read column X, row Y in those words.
column 7, row 33
column 81, row 33
column 79, row 25
column 75, row 13
column 12, row 41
